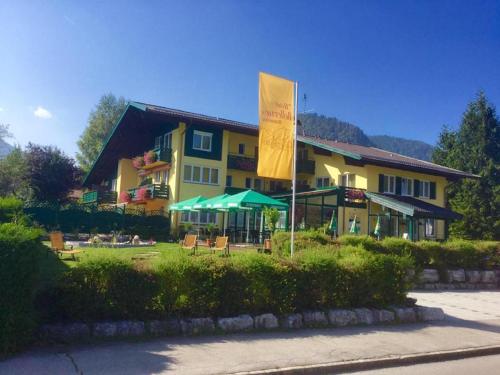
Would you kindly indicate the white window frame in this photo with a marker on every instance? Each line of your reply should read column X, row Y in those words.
column 189, row 179
column 389, row 178
column 167, row 140
column 165, row 175
column 320, row 182
column 202, row 135
column 409, row 185
column 421, row 189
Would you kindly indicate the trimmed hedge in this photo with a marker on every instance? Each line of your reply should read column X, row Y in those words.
column 303, row 240
column 441, row 255
column 20, row 248
column 77, row 218
column 218, row 286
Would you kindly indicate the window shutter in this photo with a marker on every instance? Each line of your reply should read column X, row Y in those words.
column 380, row 183
column 398, row 185
column 416, row 188
column 432, row 190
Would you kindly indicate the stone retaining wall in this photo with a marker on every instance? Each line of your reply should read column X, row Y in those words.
column 74, row 332
column 432, row 279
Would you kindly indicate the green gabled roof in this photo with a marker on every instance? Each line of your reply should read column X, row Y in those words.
column 328, row 147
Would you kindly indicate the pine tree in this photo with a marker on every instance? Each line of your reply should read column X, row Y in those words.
column 474, row 148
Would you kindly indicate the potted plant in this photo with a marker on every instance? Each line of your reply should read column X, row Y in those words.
column 125, row 197
column 272, row 216
column 138, row 162
column 149, row 157
column 210, row 229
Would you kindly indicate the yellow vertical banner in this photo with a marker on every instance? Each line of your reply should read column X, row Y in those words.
column 276, row 127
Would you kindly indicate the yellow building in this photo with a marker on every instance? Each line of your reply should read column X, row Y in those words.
column 156, row 156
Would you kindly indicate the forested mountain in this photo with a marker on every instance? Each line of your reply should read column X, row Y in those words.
column 333, row 128
column 5, row 148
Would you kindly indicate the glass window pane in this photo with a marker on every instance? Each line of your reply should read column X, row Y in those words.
column 196, row 174
column 206, row 175
column 229, row 180
column 197, row 141
column 187, row 172
column 214, row 178
column 207, row 142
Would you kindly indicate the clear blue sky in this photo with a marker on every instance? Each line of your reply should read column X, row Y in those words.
column 402, row 68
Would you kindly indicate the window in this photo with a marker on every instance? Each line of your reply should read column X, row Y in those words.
column 157, row 177
column 248, row 183
column 202, row 141
column 229, row 180
column 322, row 182
column 199, row 217
column 348, row 180
column 390, row 184
column 201, row 175
column 241, row 149
column 430, row 225
column 113, row 184
column 272, row 185
column 257, row 184
column 167, row 140
column 425, row 189
column 406, row 186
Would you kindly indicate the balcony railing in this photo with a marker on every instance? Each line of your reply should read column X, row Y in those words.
column 147, row 192
column 99, row 197
column 243, row 163
column 306, row 166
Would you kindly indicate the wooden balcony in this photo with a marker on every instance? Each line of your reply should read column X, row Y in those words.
column 99, row 197
column 242, row 163
column 144, row 193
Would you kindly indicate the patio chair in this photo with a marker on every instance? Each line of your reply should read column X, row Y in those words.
column 57, row 246
column 190, row 242
column 221, row 243
column 267, row 247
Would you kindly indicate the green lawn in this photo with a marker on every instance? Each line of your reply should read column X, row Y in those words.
column 52, row 265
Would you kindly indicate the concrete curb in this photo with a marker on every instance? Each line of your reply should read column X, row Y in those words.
column 378, row 363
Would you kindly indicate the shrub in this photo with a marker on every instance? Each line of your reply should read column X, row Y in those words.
column 303, row 240
column 367, row 242
column 218, row 286
column 11, row 209
column 20, row 248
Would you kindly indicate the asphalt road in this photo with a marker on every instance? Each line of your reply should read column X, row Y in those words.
column 487, row 365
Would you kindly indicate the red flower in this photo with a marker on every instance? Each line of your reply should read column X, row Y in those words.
column 125, row 197
column 142, row 194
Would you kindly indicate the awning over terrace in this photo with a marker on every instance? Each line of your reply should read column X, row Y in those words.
column 187, row 205
column 412, row 207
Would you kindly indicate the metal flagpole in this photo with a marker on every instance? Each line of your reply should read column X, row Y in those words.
column 294, row 166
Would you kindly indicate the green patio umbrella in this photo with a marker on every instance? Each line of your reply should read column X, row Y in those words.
column 208, row 203
column 249, row 200
column 377, row 232
column 333, row 223
column 187, row 205
column 354, row 228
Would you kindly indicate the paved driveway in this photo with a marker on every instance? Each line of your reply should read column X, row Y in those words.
column 463, row 305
